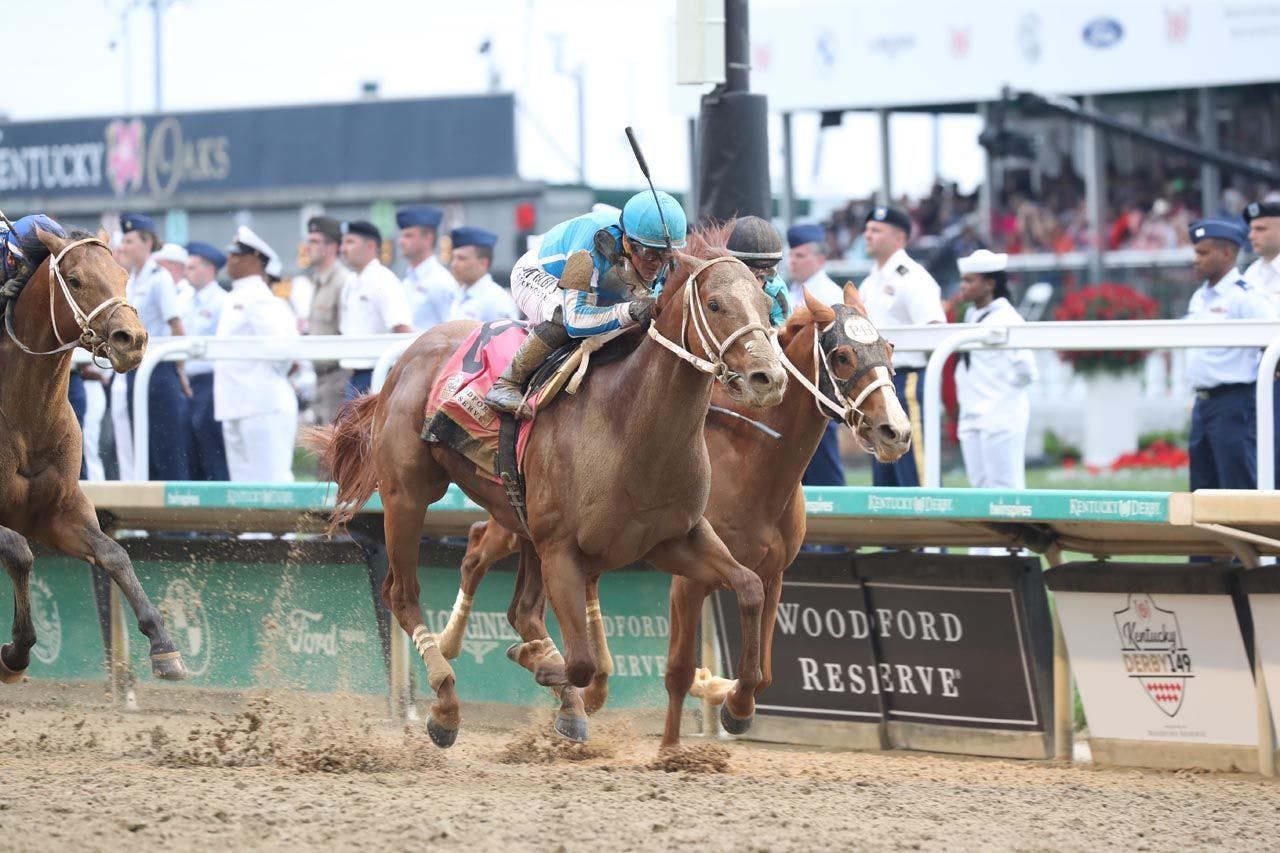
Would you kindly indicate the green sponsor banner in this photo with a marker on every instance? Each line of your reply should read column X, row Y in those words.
column 300, row 617
column 824, row 502
column 68, row 641
column 991, row 504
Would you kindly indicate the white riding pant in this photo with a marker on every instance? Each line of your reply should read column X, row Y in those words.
column 122, row 424
column 995, row 459
column 260, row 447
column 95, row 397
column 537, row 292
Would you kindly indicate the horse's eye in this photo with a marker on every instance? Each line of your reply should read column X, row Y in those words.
column 842, row 358
column 713, row 306
column 73, row 281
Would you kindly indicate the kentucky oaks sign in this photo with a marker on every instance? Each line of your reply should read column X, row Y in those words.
column 161, row 157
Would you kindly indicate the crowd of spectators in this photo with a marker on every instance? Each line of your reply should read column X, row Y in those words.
column 1051, row 217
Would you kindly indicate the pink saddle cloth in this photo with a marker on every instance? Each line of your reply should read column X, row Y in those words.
column 456, row 413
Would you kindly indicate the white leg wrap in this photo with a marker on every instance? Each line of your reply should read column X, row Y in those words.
column 438, row 669
column 461, row 606
column 599, row 643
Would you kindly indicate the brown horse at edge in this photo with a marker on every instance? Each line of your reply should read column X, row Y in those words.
column 72, row 299
column 757, row 504
column 615, row 474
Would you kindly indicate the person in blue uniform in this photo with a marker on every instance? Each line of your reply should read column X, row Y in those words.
column 588, row 278
column 429, row 288
column 479, row 297
column 152, row 290
column 1223, row 439
column 204, row 433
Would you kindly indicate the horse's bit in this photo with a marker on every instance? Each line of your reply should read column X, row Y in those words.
column 706, row 337
column 89, row 339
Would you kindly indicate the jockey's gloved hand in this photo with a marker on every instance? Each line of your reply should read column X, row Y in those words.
column 641, row 310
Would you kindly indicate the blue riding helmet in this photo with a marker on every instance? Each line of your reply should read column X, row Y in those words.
column 15, row 245
column 641, row 222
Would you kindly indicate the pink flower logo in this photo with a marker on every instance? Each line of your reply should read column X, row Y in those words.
column 124, row 154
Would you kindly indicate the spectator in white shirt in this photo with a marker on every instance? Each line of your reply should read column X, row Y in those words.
column 479, row 297
column 253, row 399
column 372, row 301
column 429, row 288
column 204, row 310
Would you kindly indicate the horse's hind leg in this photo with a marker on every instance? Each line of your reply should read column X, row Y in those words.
column 15, row 656
column 75, row 532
column 487, row 543
column 407, row 487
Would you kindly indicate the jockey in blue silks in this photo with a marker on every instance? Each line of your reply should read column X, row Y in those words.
column 591, row 275
column 17, row 258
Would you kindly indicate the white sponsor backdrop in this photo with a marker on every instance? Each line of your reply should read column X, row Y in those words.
column 1266, row 625
column 1160, row 667
column 815, row 55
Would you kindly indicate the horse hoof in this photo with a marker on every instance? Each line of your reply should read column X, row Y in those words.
column 168, row 666
column 572, row 728
column 11, row 676
column 440, row 736
column 513, row 652
column 734, row 725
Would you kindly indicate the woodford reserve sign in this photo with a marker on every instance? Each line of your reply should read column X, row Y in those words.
column 163, row 156
column 913, row 641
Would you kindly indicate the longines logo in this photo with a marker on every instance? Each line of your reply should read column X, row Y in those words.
column 185, row 616
column 47, row 621
column 1153, row 651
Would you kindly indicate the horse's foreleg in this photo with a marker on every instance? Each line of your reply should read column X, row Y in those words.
column 703, row 558
column 16, row 656
column 564, row 575
column 597, row 692
column 75, row 532
column 538, row 653
column 772, row 595
column 487, row 543
column 686, row 609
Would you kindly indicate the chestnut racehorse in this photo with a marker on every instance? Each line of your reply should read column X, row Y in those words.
column 74, row 298
column 757, row 503
column 615, row 474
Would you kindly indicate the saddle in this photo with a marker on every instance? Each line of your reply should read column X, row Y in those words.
column 457, row 416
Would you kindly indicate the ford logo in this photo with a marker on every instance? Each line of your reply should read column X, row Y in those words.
column 1102, row 32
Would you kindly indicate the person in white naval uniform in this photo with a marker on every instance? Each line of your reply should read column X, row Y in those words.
column 479, row 296
column 253, row 400
column 1223, row 440
column 429, row 288
column 173, row 259
column 900, row 292
column 991, row 384
column 204, row 310
column 153, row 292
column 1263, row 277
column 372, row 301
column 807, row 263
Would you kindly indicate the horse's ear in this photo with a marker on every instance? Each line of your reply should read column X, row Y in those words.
column 851, row 295
column 51, row 241
column 821, row 313
column 103, row 236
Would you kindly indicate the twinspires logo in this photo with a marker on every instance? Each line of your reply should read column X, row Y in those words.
column 837, row 624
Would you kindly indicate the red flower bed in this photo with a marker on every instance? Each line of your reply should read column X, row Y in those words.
column 1107, row 301
column 1157, row 454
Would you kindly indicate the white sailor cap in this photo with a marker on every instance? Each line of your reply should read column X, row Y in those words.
column 983, row 261
column 171, row 252
column 246, row 242
column 274, row 267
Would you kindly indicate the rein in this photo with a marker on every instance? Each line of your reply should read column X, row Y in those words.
column 89, row 339
column 706, row 336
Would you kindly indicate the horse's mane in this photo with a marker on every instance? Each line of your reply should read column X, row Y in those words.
column 704, row 243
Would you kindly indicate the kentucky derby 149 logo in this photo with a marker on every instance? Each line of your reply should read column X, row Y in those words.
column 1153, row 651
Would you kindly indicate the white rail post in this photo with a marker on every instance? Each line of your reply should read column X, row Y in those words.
column 993, row 336
column 385, row 362
column 1265, row 395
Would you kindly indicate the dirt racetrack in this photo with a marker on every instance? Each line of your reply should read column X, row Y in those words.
column 324, row 773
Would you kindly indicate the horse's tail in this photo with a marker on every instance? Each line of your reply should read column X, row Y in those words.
column 345, row 449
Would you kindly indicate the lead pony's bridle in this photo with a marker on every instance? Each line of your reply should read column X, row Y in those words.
column 89, row 338
column 711, row 345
